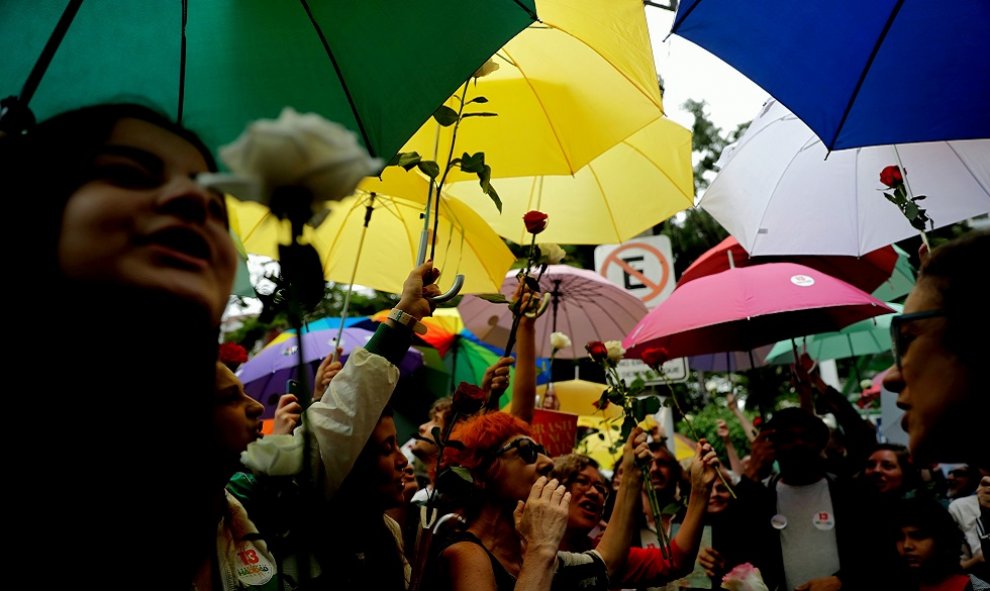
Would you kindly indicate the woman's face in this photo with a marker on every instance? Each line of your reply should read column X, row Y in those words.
column 236, row 416
column 519, row 463
column 384, row 465
column 588, row 493
column 932, row 383
column 141, row 220
column 883, row 471
column 718, row 500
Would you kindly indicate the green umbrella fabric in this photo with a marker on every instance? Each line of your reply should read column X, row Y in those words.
column 865, row 337
column 378, row 67
column 901, row 280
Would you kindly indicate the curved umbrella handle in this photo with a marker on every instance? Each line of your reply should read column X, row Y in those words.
column 453, row 291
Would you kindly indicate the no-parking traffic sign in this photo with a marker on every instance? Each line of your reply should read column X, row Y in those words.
column 643, row 266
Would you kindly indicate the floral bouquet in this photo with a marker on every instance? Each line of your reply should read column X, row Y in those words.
column 635, row 409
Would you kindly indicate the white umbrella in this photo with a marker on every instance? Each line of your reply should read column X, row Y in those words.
column 778, row 194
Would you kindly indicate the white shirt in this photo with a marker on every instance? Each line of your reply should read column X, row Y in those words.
column 807, row 535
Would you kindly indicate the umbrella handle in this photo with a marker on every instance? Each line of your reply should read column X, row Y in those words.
column 453, row 291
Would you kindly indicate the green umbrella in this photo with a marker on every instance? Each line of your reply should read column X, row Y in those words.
column 379, row 67
column 901, row 280
column 865, row 337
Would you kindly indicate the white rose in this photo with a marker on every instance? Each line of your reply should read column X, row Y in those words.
column 559, row 340
column 553, row 252
column 486, row 68
column 615, row 350
column 299, row 150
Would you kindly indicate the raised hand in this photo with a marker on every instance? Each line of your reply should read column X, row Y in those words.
column 542, row 519
column 288, row 415
column 496, row 378
column 325, row 373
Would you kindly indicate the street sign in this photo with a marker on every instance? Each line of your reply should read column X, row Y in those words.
column 643, row 266
column 676, row 370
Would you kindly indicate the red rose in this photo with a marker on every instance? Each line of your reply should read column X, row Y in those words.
column 536, row 221
column 655, row 356
column 597, row 350
column 232, row 353
column 891, row 176
column 468, row 399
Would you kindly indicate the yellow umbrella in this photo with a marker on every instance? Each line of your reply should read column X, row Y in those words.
column 634, row 185
column 600, row 449
column 579, row 396
column 567, row 88
column 465, row 244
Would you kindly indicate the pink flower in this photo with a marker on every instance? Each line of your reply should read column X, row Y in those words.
column 744, row 577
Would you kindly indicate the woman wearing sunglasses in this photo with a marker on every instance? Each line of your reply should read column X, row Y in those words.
column 516, row 517
column 941, row 347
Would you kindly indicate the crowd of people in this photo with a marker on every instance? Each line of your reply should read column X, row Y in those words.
column 176, row 488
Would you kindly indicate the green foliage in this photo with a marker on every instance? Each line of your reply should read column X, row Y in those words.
column 705, row 422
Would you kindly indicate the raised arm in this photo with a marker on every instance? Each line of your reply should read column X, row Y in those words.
column 735, row 464
column 703, row 475
column 524, row 384
column 618, row 536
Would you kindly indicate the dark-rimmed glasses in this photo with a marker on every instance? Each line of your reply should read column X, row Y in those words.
column 900, row 340
column 527, row 449
column 586, row 483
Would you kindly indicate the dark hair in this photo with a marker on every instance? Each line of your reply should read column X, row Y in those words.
column 789, row 418
column 567, row 467
column 950, row 269
column 934, row 521
column 51, row 160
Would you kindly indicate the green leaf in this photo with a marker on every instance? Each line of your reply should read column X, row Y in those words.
column 651, row 404
column 532, row 283
column 601, row 436
column 671, row 509
column 456, row 444
column 920, row 197
column 405, row 159
column 639, row 409
column 495, row 298
column 445, row 116
column 480, row 114
column 910, row 210
column 463, row 472
column 435, row 432
column 429, row 168
column 478, row 99
column 473, row 162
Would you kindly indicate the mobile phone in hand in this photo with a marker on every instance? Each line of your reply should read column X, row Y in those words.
column 292, row 387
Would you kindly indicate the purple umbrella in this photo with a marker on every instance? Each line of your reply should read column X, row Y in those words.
column 265, row 374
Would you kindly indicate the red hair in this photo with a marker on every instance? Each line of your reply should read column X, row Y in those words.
column 481, row 436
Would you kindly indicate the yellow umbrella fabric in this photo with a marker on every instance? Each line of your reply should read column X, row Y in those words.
column 600, row 449
column 465, row 243
column 578, row 397
column 567, row 88
column 636, row 184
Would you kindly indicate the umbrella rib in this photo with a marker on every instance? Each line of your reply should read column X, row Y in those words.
column 608, row 206
column 866, row 70
column 773, row 194
column 663, row 172
column 966, row 166
column 340, row 76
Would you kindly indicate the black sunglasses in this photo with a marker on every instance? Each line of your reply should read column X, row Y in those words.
column 900, row 340
column 527, row 449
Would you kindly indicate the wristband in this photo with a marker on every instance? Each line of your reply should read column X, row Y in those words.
column 408, row 320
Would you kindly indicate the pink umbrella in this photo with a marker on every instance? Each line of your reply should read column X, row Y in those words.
column 584, row 305
column 743, row 308
column 867, row 272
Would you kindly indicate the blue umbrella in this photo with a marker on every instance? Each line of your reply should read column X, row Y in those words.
column 859, row 73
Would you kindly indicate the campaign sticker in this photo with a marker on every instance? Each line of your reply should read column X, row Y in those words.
column 778, row 521
column 823, row 520
column 802, row 280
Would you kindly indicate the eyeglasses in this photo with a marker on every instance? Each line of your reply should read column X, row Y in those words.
column 527, row 449
column 900, row 340
column 586, row 483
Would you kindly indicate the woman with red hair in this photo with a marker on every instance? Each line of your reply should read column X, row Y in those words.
column 516, row 517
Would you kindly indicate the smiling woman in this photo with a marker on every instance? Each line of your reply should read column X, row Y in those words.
column 141, row 254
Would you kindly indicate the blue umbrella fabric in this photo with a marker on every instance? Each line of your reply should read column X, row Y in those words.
column 264, row 375
column 859, row 73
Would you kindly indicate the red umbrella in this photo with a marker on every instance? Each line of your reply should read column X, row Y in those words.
column 743, row 308
column 867, row 272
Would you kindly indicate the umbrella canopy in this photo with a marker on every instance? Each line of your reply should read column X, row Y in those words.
column 465, row 243
column 865, row 337
column 585, row 306
column 580, row 396
column 779, row 195
column 636, row 184
column 746, row 307
column 731, row 361
column 567, row 88
column 856, row 72
column 868, row 272
column 217, row 65
column 265, row 374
